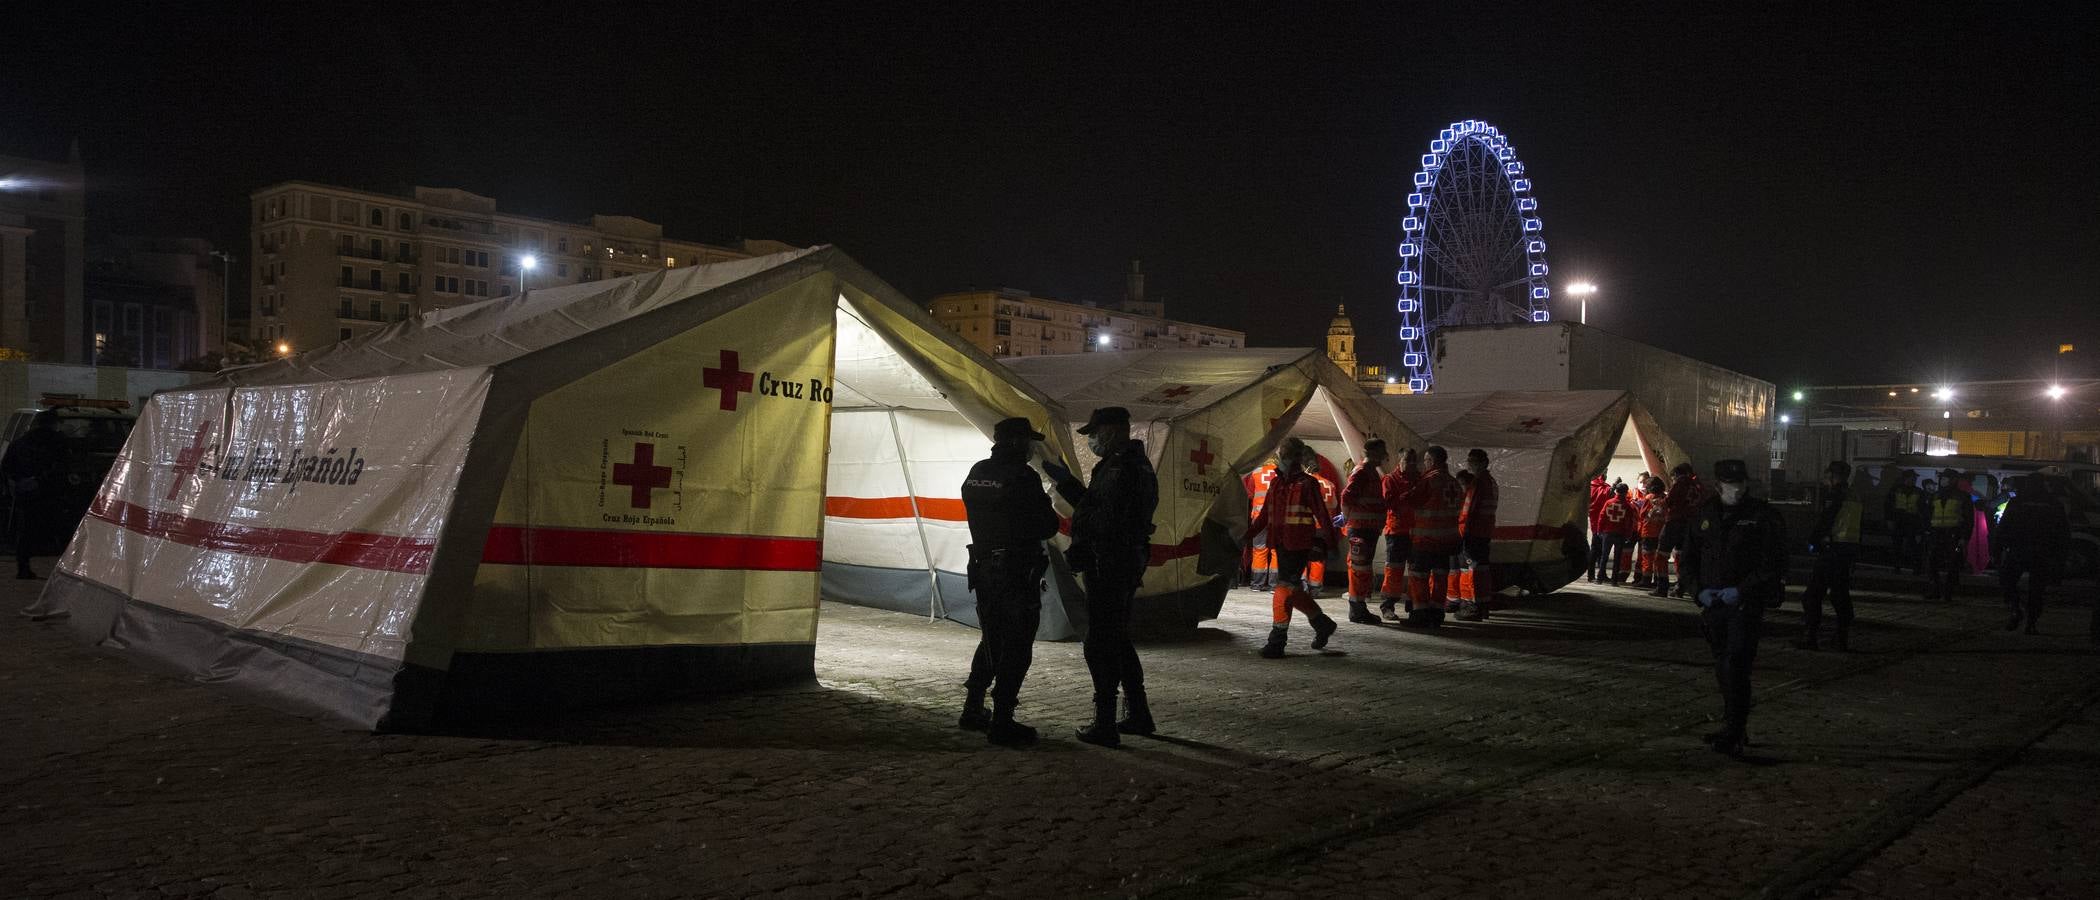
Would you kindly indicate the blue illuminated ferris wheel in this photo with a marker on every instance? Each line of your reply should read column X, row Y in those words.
column 1474, row 251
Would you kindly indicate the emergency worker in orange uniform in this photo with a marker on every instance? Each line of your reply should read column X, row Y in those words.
column 1263, row 562
column 1649, row 506
column 1399, row 521
column 1622, row 528
column 1299, row 526
column 1434, row 539
column 1363, row 515
column 1476, row 532
column 1316, row 566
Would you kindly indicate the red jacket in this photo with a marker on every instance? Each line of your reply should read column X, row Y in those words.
column 1363, row 501
column 1649, row 508
column 1619, row 518
column 1600, row 491
column 1476, row 519
column 1435, row 501
column 1296, row 515
column 1399, row 517
column 1682, row 503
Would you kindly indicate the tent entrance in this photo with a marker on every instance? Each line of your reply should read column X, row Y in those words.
column 895, row 534
column 1632, row 455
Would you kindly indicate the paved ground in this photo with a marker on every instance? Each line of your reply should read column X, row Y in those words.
column 1551, row 752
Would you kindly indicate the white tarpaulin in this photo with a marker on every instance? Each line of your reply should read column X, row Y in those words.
column 603, row 490
column 1543, row 448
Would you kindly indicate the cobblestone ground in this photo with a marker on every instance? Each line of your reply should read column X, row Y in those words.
column 1549, row 752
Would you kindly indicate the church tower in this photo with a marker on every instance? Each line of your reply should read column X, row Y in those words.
column 1341, row 343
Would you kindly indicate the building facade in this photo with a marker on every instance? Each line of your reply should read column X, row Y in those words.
column 43, row 222
column 1341, row 350
column 153, row 303
column 1010, row 322
column 331, row 263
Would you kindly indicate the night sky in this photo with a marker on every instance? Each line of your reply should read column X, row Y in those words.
column 1888, row 193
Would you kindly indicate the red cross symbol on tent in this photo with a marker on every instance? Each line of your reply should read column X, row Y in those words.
column 730, row 379
column 187, row 459
column 1531, row 424
column 643, row 475
column 1177, row 392
column 1202, row 456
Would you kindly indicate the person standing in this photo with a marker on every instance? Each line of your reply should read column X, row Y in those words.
column 1299, row 527
column 1650, row 509
column 35, row 469
column 1834, row 539
column 1600, row 544
column 1364, row 513
column 1476, row 532
column 1010, row 517
column 1399, row 521
column 1263, row 559
column 1316, row 565
column 1433, row 540
column 1738, row 559
column 1687, row 495
column 1950, row 514
column 1622, row 528
column 2036, row 534
column 1111, row 545
column 1899, row 508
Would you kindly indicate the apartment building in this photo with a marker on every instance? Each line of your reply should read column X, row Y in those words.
column 332, row 263
column 43, row 226
column 1010, row 322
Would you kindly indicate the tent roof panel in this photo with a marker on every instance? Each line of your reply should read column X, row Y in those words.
column 1152, row 384
column 1507, row 419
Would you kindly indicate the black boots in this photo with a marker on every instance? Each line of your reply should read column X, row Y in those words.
column 1137, row 715
column 1662, row 588
column 1360, row 614
column 1102, row 732
column 1323, row 628
column 974, row 718
column 1274, row 648
column 1425, row 616
column 1006, row 732
column 1386, row 612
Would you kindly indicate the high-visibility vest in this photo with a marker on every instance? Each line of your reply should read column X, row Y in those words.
column 1845, row 528
column 1258, row 487
column 1438, row 497
column 1946, row 512
column 1363, row 503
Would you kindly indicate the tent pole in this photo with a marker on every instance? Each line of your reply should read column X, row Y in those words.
column 933, row 575
column 1352, row 439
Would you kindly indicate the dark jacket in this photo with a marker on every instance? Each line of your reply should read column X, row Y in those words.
column 2035, row 525
column 1741, row 546
column 1005, row 503
column 1112, row 513
column 39, row 454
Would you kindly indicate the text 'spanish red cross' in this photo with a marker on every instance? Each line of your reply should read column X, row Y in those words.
column 187, row 459
column 644, row 475
column 1177, row 392
column 730, row 379
column 1202, row 457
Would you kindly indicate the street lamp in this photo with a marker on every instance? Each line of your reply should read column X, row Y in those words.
column 1797, row 396
column 1101, row 340
column 225, row 299
column 284, row 348
column 526, row 264
column 1583, row 290
column 1785, row 419
column 2056, row 392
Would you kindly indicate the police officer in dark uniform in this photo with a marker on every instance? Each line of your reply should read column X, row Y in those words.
column 35, row 467
column 1739, row 560
column 2036, row 533
column 1111, row 545
column 1010, row 518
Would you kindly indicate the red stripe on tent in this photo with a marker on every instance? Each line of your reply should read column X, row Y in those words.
column 943, row 508
column 515, row 545
column 1166, row 553
column 357, row 549
column 1529, row 532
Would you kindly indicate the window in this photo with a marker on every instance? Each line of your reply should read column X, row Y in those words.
column 1003, row 327
column 481, row 259
column 344, row 332
column 561, row 245
column 378, row 248
column 378, row 218
column 404, row 283
column 561, row 269
column 670, row 262
column 377, row 316
column 402, row 253
column 347, row 245
column 342, row 309
column 348, row 279
column 346, row 212
column 401, row 310
column 405, row 222
column 502, row 290
column 451, row 284
column 449, row 254
column 377, row 281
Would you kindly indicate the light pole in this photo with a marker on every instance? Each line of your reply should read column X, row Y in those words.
column 526, row 264
column 225, row 299
column 1582, row 291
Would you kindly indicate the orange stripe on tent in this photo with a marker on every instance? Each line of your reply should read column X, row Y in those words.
column 942, row 508
column 605, row 548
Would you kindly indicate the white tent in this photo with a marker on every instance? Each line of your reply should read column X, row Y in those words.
column 1209, row 417
column 1543, row 447
column 596, row 491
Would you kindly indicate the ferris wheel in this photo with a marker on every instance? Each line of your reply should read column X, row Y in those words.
column 1474, row 251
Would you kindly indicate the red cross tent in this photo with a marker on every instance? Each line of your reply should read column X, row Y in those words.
column 592, row 492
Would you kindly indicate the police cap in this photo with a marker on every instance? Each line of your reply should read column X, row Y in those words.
column 1732, row 471
column 1105, row 416
column 1015, row 429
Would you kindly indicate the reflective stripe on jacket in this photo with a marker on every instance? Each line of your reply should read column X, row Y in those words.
column 1435, row 501
column 1363, row 501
column 1296, row 516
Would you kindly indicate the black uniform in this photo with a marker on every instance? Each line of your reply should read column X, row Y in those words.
column 1899, row 509
column 1010, row 518
column 35, row 469
column 1741, row 547
column 2036, row 534
column 1111, row 545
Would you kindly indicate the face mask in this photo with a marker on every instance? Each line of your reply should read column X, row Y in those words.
column 1731, row 494
column 1476, row 467
column 1098, row 443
